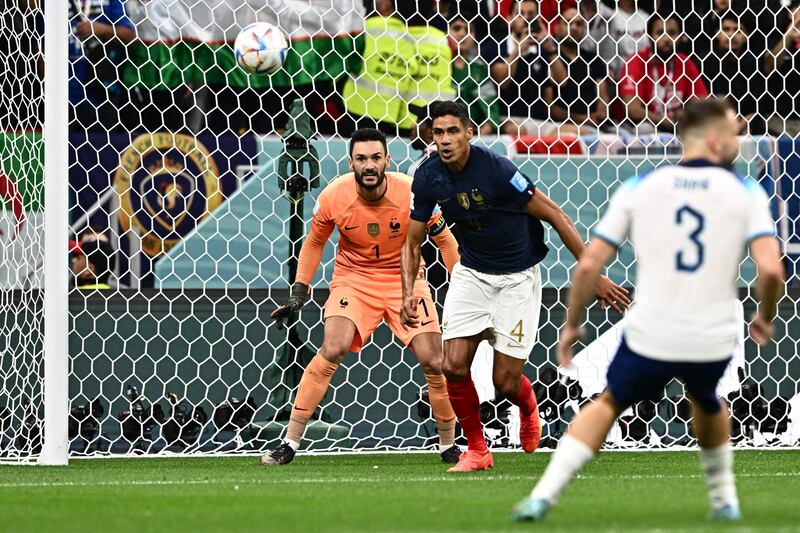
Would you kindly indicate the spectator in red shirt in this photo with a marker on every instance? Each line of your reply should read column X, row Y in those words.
column 551, row 9
column 656, row 81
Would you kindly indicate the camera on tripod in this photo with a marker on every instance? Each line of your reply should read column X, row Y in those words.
column 234, row 414
column 139, row 420
column 84, row 423
column 185, row 424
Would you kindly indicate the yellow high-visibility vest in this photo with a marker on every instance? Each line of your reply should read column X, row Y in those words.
column 433, row 78
column 378, row 90
column 99, row 286
column 401, row 65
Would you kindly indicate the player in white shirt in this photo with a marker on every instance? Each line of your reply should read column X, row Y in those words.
column 688, row 224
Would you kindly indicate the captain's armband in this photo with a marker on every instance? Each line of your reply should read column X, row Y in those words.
column 437, row 227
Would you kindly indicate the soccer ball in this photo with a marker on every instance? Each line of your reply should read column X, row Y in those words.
column 260, row 48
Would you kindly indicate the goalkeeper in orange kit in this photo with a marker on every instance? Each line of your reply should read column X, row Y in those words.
column 371, row 208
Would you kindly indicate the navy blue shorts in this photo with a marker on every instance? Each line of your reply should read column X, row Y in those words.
column 633, row 378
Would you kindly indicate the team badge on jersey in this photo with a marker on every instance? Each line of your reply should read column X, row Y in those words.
column 477, row 197
column 373, row 228
column 463, row 200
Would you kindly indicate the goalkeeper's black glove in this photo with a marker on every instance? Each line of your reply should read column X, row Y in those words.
column 298, row 298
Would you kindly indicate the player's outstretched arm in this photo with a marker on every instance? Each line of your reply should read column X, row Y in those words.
column 607, row 292
column 448, row 246
column 769, row 286
column 582, row 292
column 307, row 263
column 409, row 268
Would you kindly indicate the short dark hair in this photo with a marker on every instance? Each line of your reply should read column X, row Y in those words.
column 457, row 16
column 415, row 12
column 698, row 113
column 655, row 17
column 100, row 254
column 733, row 17
column 442, row 108
column 367, row 134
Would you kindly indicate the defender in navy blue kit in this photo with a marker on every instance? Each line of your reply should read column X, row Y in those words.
column 495, row 291
column 487, row 201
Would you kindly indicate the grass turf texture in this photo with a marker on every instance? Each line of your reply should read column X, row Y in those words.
column 398, row 492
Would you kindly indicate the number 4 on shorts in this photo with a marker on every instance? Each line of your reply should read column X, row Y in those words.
column 517, row 332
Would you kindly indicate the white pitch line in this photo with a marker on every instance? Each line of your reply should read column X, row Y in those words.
column 325, row 481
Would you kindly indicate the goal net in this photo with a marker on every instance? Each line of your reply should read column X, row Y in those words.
column 21, row 234
column 188, row 204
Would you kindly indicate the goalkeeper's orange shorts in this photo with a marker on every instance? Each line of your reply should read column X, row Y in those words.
column 366, row 304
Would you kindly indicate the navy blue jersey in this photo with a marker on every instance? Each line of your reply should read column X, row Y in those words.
column 487, row 203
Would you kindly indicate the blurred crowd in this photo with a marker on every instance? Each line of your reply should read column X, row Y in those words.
column 522, row 67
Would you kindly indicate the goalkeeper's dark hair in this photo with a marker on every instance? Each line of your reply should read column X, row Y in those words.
column 443, row 108
column 699, row 113
column 367, row 134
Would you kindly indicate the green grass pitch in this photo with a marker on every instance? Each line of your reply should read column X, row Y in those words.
column 399, row 492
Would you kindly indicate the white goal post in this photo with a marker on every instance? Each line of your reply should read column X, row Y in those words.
column 55, row 444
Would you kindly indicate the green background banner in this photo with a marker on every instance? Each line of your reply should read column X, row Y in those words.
column 22, row 161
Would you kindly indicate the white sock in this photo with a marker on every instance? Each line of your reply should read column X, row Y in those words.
column 292, row 444
column 567, row 461
column 717, row 465
column 444, row 447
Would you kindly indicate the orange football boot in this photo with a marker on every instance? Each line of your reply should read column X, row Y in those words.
column 471, row 461
column 530, row 431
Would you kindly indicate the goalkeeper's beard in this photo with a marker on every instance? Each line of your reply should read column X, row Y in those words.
column 360, row 179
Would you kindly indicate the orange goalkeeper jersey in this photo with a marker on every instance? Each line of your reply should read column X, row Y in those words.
column 371, row 234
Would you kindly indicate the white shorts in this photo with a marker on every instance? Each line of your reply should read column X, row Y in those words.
column 507, row 305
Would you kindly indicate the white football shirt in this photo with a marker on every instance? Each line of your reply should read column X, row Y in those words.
column 624, row 34
column 689, row 225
